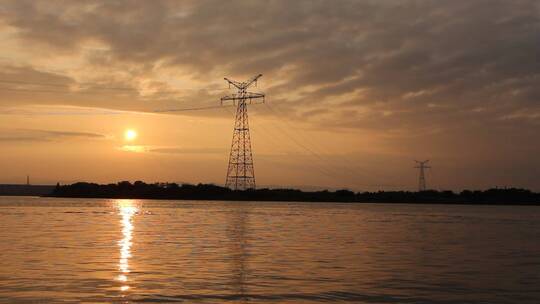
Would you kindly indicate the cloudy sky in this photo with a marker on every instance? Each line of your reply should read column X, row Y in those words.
column 356, row 90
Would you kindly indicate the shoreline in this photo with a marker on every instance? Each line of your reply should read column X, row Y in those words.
column 210, row 192
column 304, row 201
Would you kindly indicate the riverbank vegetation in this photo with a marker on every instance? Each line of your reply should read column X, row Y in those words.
column 141, row 190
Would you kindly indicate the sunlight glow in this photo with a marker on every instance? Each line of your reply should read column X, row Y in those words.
column 130, row 134
column 133, row 148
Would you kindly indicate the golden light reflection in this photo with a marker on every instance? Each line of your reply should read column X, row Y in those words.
column 126, row 210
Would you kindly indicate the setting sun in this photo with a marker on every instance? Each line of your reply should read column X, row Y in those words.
column 130, row 134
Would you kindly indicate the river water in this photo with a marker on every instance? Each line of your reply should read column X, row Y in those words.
column 128, row 251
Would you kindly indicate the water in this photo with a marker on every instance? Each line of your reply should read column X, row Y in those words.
column 128, row 251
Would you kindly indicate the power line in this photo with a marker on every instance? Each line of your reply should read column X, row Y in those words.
column 298, row 142
column 320, row 162
column 97, row 86
column 304, row 144
column 277, row 142
column 191, row 109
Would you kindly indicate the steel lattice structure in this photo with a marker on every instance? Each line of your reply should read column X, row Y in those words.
column 421, row 165
column 240, row 171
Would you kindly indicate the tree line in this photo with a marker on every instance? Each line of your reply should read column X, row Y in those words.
column 141, row 190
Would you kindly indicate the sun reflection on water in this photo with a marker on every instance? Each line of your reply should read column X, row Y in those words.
column 126, row 209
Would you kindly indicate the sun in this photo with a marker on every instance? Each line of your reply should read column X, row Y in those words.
column 130, row 134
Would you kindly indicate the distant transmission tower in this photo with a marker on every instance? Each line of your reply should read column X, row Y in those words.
column 422, row 177
column 240, row 172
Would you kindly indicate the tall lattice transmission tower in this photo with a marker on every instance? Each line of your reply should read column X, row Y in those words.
column 421, row 165
column 240, row 172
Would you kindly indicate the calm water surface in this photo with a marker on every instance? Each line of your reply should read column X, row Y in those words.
column 127, row 251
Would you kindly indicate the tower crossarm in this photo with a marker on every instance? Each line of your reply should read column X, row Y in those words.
column 251, row 95
column 245, row 96
column 251, row 81
column 230, row 97
column 422, row 163
column 236, row 84
column 243, row 85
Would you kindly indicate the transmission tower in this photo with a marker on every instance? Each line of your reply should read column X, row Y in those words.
column 240, row 172
column 421, row 165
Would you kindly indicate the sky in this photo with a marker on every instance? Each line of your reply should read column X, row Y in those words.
column 355, row 91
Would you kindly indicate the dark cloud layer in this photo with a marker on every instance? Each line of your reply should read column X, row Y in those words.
column 461, row 58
